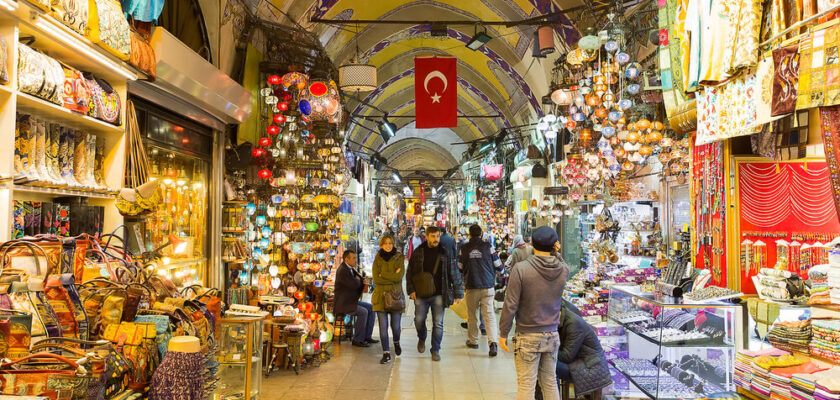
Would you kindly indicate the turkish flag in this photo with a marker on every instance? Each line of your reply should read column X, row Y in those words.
column 436, row 92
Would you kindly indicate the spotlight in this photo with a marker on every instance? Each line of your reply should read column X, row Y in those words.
column 478, row 40
column 396, row 177
column 387, row 129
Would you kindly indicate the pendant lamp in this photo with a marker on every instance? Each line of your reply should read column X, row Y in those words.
column 356, row 77
column 545, row 38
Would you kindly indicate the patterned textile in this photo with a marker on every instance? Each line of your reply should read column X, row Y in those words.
column 671, row 40
column 763, row 143
column 728, row 110
column 792, row 336
column 179, row 377
column 830, row 121
column 744, row 28
column 785, row 78
column 826, row 339
column 819, row 73
column 714, row 20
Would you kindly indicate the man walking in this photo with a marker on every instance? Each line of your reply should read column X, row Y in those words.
column 535, row 297
column 432, row 282
column 476, row 263
column 412, row 243
column 349, row 285
column 447, row 242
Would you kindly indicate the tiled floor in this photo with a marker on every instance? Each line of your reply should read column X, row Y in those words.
column 354, row 373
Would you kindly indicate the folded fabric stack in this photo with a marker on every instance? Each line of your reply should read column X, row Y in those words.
column 833, row 276
column 780, row 379
column 743, row 364
column 820, row 293
column 827, row 389
column 791, row 336
column 825, row 339
column 761, row 367
column 803, row 386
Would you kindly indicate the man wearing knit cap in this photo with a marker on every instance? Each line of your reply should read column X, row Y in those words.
column 535, row 297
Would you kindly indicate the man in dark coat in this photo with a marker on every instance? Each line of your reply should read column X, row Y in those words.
column 432, row 259
column 448, row 244
column 580, row 357
column 349, row 284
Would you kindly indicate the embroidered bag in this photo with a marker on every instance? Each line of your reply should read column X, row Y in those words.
column 73, row 13
column 142, row 55
column 108, row 28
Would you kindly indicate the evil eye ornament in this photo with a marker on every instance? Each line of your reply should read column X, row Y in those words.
column 625, row 104
column 622, row 58
column 318, row 283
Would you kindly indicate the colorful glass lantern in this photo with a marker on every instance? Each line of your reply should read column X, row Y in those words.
column 320, row 101
column 294, row 80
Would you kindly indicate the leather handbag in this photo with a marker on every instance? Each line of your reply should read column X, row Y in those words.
column 424, row 282
column 65, row 379
column 69, row 284
column 59, row 300
column 394, row 300
column 143, row 55
column 103, row 357
column 105, row 101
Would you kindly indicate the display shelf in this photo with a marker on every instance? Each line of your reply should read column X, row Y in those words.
column 57, row 192
column 67, row 45
column 709, row 387
column 32, row 104
column 6, row 90
column 704, row 343
column 637, row 385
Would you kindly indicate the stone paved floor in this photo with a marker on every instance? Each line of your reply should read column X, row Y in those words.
column 354, row 373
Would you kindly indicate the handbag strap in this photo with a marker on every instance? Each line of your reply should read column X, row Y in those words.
column 43, row 355
column 32, row 246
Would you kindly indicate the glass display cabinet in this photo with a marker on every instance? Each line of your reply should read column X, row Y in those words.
column 676, row 350
column 240, row 358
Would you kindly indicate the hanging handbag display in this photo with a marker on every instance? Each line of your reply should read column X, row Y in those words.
column 424, row 282
column 72, row 13
column 493, row 172
column 394, row 300
column 63, row 380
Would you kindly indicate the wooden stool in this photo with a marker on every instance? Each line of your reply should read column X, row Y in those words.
column 346, row 329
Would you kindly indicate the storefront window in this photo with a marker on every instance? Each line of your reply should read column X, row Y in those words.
column 179, row 154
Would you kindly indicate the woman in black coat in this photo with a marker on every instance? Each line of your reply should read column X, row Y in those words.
column 580, row 358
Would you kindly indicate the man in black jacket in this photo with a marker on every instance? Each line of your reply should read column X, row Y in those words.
column 349, row 285
column 431, row 261
column 476, row 263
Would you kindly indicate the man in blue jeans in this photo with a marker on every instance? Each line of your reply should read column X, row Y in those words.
column 349, row 284
column 433, row 283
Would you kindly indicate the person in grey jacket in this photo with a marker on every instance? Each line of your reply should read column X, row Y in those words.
column 521, row 251
column 537, row 313
column 580, row 357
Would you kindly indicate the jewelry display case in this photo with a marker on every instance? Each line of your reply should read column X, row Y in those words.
column 240, row 358
column 676, row 350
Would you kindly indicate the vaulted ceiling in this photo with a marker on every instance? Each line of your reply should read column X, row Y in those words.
column 501, row 78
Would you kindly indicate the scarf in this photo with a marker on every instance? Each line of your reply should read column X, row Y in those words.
column 387, row 255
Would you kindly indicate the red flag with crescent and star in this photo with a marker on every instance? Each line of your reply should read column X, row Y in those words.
column 436, row 92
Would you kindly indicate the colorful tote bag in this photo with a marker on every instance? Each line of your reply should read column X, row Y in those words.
column 109, row 29
column 73, row 13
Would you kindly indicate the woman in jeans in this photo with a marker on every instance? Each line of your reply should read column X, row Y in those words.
column 388, row 272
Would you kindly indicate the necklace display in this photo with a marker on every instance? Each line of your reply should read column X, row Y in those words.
column 708, row 188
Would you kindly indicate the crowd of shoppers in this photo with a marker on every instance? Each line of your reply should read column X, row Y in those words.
column 551, row 341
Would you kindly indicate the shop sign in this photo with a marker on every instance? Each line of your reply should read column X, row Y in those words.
column 556, row 190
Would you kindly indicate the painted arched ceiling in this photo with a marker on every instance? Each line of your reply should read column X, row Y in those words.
column 500, row 79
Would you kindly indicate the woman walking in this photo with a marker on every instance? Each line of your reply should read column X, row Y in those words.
column 388, row 298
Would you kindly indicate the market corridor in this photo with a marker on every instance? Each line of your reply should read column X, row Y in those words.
column 354, row 373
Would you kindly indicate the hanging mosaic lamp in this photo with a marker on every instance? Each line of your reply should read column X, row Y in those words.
column 294, row 80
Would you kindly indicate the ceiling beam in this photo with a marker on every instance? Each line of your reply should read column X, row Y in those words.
column 538, row 20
